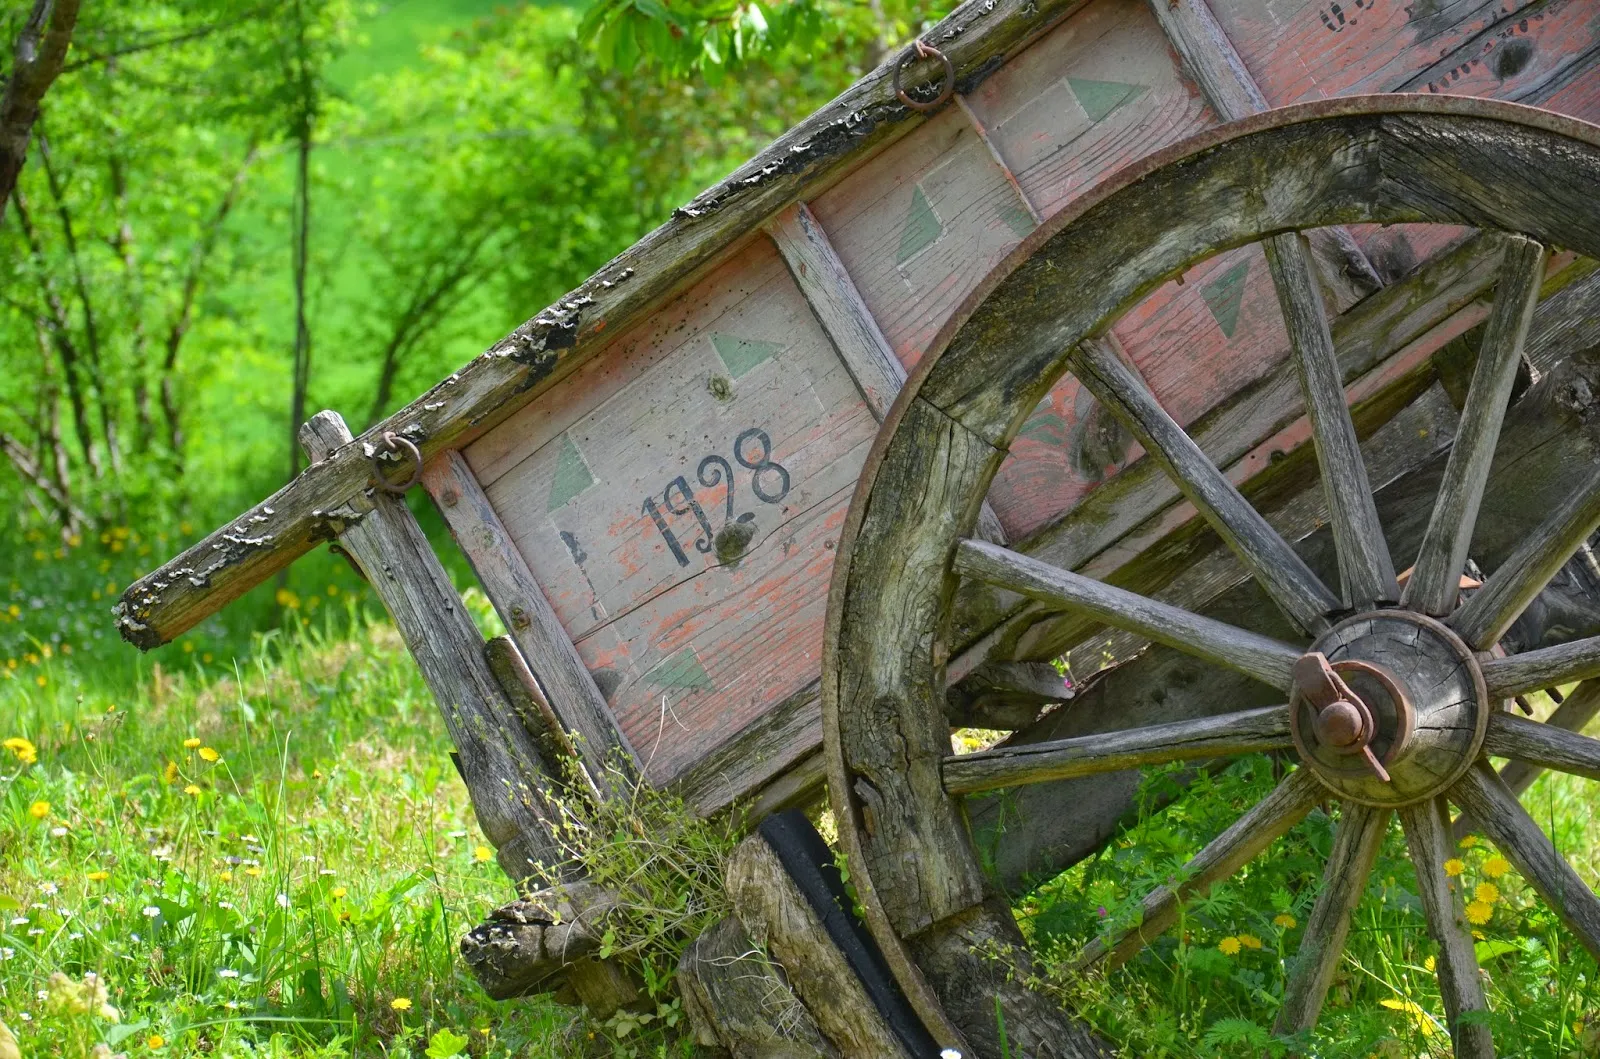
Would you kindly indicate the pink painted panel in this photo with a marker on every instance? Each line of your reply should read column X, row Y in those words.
column 615, row 490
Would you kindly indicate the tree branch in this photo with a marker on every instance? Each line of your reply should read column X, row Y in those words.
column 41, row 49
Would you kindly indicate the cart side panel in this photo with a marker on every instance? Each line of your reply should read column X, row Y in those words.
column 695, row 607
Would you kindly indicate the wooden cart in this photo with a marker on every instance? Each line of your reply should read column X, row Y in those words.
column 1119, row 281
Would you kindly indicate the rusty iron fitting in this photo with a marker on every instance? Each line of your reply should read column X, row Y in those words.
column 394, row 443
column 921, row 50
column 1343, row 722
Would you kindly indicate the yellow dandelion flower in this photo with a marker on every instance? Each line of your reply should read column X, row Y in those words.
column 41, row 680
column 155, row 1040
column 400, row 1003
column 1250, row 941
column 1468, row 842
column 225, row 875
column 188, row 647
column 1229, row 946
column 208, row 754
column 483, row 853
column 192, row 791
column 39, row 810
column 1410, row 1007
column 253, row 871
column 333, row 590
column 98, row 876
column 1429, row 964
column 1285, row 921
column 1488, row 893
column 170, row 773
column 337, row 892
column 1495, row 867
column 1454, row 867
column 44, row 649
column 26, row 752
column 288, row 599
column 191, row 743
column 206, row 657
column 316, row 774
column 1478, row 912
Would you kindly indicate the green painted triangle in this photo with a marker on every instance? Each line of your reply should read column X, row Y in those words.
column 922, row 228
column 1100, row 98
column 1019, row 220
column 681, row 670
column 572, row 475
column 1224, row 295
column 742, row 354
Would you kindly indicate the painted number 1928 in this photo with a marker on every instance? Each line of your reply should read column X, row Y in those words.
column 769, row 481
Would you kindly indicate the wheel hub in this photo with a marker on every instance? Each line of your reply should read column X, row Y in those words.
column 1388, row 708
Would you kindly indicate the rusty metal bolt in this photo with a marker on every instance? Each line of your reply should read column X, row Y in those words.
column 450, row 498
column 1339, row 724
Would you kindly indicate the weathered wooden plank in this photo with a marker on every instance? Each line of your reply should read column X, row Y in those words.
column 1547, row 667
column 1267, row 660
column 499, row 760
column 833, row 296
column 778, row 916
column 572, row 695
column 1301, row 594
column 1432, row 587
column 525, row 946
column 1247, row 836
column 1344, row 880
column 1244, row 732
column 978, row 38
column 1543, row 744
column 1427, row 827
column 919, row 225
column 1484, row 618
column 1516, row 834
column 765, row 748
column 557, row 752
column 1365, row 569
column 739, row 1002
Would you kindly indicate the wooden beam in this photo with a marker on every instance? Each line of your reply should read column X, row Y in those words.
column 1433, row 587
column 499, row 760
column 1543, row 744
column 1365, row 569
column 1244, row 732
column 1344, row 881
column 531, row 622
column 1546, row 667
column 1460, row 982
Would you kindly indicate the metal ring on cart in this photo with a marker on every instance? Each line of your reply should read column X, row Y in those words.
column 920, row 50
column 392, row 442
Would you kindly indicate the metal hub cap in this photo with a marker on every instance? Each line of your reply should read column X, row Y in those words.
column 1388, row 708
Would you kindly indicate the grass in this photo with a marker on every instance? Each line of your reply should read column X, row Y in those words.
column 275, row 863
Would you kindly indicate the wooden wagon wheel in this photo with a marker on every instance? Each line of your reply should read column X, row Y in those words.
column 1393, row 702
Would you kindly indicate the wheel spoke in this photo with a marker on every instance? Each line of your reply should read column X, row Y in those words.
column 1244, row 732
column 1482, row 793
column 1543, row 744
column 1548, row 667
column 1365, row 569
column 1262, row 657
column 1573, row 715
column 1484, row 618
column 1355, row 847
column 1433, row 587
column 1298, row 592
column 1275, row 814
column 1428, row 838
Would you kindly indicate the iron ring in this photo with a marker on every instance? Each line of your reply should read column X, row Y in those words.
column 920, row 50
column 392, row 442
